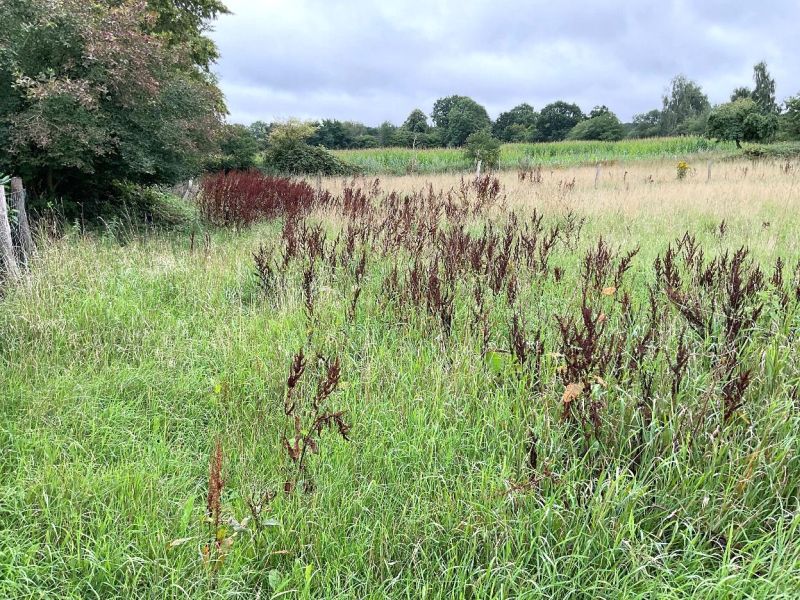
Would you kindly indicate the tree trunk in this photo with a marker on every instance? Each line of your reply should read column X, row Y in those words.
column 7, row 260
column 24, row 229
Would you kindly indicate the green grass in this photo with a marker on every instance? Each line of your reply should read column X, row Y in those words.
column 398, row 161
column 121, row 364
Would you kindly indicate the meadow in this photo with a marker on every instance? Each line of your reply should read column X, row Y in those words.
column 402, row 161
column 539, row 384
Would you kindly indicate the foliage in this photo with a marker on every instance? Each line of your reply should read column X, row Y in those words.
column 441, row 110
column 603, row 125
column 183, row 24
column 785, row 151
column 99, row 88
column 298, row 159
column 261, row 131
column 481, row 146
column 289, row 153
column 516, row 125
column 684, row 100
column 464, row 118
column 556, row 120
column 740, row 93
column 417, row 122
column 741, row 121
column 790, row 118
column 238, row 148
column 139, row 204
column 646, row 125
column 764, row 89
column 682, row 169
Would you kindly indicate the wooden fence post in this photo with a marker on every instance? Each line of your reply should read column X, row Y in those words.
column 596, row 174
column 708, row 177
column 23, row 227
column 6, row 245
column 478, row 170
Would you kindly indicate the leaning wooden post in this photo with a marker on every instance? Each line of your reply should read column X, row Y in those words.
column 6, row 245
column 23, row 227
column 596, row 174
column 708, row 177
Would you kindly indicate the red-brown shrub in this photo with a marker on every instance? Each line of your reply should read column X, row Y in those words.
column 242, row 197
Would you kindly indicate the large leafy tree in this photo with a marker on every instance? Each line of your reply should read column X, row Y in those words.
column 517, row 124
column 556, row 120
column 741, row 121
column 441, row 110
column 93, row 92
column 684, row 101
column 457, row 117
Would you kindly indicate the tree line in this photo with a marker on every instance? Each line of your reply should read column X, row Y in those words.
column 751, row 115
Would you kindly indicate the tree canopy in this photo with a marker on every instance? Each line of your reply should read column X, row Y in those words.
column 741, row 121
column 683, row 102
column 517, row 124
column 463, row 117
column 556, row 120
column 105, row 87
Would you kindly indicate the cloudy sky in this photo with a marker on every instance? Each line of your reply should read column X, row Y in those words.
column 376, row 60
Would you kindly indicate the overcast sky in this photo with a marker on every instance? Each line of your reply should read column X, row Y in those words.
column 376, row 60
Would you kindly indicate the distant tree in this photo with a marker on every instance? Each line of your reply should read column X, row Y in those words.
column 465, row 117
column 646, row 125
column 683, row 100
column 291, row 133
column 441, row 110
column 386, row 133
column 516, row 125
column 482, row 146
column 741, row 92
column 417, row 122
column 238, row 147
column 790, row 118
column 332, row 134
column 556, row 120
column 764, row 91
column 741, row 121
column 260, row 131
column 604, row 126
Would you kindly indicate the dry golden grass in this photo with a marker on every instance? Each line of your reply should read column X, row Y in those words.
column 737, row 189
column 643, row 202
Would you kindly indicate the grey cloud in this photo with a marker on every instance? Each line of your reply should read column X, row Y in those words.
column 372, row 61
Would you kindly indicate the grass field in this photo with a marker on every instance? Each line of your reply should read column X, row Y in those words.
column 499, row 440
column 401, row 161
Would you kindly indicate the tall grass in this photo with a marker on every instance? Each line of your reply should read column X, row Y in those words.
column 400, row 161
column 449, row 401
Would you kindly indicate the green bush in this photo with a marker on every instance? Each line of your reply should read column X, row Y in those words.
column 302, row 158
column 482, row 146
